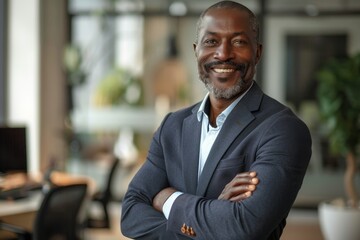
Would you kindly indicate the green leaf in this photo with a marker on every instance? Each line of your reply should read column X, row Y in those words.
column 339, row 102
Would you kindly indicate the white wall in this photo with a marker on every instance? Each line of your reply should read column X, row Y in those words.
column 36, row 79
column 23, row 72
column 276, row 29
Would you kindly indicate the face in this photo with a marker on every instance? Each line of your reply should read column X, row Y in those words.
column 227, row 52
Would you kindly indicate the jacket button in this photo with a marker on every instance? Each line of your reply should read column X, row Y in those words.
column 187, row 230
column 192, row 233
column 183, row 228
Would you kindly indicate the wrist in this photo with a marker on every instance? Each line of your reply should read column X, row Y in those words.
column 160, row 198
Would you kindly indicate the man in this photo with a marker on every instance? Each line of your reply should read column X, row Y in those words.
column 231, row 166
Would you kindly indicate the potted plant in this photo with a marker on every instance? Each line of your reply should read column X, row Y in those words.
column 339, row 104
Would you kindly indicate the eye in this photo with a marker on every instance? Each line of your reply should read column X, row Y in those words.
column 240, row 42
column 209, row 42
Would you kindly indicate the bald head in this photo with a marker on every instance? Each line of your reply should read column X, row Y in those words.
column 230, row 5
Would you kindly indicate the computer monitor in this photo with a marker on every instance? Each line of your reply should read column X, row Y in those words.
column 13, row 149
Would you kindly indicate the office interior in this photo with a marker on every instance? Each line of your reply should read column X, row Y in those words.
column 93, row 79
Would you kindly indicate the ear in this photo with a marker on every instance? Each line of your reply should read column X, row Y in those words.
column 194, row 48
column 258, row 52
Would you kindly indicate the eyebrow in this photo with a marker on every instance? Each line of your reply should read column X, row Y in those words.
column 242, row 33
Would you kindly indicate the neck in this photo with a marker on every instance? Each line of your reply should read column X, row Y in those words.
column 217, row 106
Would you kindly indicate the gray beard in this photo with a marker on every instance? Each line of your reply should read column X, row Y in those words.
column 227, row 93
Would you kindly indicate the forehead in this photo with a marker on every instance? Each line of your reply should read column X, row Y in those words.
column 224, row 20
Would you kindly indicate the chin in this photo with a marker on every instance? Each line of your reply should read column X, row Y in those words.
column 227, row 93
column 230, row 92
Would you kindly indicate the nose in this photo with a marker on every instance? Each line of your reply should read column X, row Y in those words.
column 224, row 52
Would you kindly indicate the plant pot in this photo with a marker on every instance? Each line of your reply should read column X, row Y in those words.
column 338, row 222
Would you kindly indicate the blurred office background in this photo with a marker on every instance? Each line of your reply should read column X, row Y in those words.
column 95, row 77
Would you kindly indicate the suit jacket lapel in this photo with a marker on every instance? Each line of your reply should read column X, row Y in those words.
column 234, row 125
column 191, row 145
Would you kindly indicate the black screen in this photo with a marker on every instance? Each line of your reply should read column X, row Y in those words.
column 13, row 150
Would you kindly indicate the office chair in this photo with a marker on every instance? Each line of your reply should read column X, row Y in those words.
column 104, row 196
column 57, row 217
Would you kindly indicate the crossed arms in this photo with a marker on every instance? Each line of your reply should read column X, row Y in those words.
column 241, row 187
column 277, row 158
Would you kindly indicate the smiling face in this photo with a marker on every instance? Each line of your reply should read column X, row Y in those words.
column 227, row 52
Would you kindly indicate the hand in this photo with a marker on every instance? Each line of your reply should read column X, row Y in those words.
column 161, row 197
column 240, row 188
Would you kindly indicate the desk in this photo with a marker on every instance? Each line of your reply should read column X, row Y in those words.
column 32, row 203
column 20, row 212
column 26, row 205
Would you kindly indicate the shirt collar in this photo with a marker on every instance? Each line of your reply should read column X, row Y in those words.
column 201, row 110
column 225, row 113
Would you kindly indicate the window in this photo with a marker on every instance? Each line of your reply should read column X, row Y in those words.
column 108, row 37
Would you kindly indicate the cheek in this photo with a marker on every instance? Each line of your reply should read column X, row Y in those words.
column 251, row 58
column 201, row 63
column 250, row 72
column 202, row 56
column 202, row 72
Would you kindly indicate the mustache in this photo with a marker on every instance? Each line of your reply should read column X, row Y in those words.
column 238, row 66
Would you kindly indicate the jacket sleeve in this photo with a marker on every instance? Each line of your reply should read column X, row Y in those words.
column 139, row 220
column 282, row 156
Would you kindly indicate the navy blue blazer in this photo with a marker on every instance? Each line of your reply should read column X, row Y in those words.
column 260, row 135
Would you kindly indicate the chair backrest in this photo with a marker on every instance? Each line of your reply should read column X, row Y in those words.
column 110, row 177
column 57, row 218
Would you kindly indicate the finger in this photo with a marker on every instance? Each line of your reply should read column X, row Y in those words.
column 242, row 189
column 241, row 197
column 255, row 180
column 241, row 183
column 246, row 174
column 244, row 180
column 231, row 192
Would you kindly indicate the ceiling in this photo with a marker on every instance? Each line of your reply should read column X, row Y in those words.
column 194, row 7
column 271, row 5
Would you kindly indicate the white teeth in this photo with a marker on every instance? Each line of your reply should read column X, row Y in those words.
column 222, row 70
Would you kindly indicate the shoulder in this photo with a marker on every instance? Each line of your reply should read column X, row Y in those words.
column 181, row 114
column 280, row 118
column 173, row 120
column 286, row 125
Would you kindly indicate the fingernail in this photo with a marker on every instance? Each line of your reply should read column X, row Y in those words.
column 251, row 187
column 255, row 180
